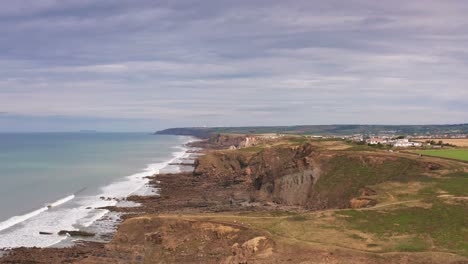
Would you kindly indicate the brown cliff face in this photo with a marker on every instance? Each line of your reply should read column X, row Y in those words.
column 226, row 140
column 304, row 175
column 284, row 174
column 225, row 167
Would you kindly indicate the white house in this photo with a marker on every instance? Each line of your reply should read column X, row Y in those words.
column 376, row 140
column 406, row 143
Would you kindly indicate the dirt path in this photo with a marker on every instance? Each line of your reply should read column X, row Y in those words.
column 390, row 204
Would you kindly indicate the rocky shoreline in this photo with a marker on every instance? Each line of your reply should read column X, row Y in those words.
column 198, row 215
column 85, row 243
column 178, row 193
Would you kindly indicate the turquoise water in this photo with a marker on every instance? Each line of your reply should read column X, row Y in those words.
column 38, row 169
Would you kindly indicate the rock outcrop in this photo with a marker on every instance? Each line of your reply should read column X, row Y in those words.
column 362, row 203
column 232, row 142
column 305, row 176
column 76, row 233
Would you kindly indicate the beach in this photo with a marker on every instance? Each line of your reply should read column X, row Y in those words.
column 69, row 200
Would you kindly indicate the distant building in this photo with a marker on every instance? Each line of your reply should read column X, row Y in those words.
column 406, row 143
column 315, row 136
column 376, row 140
column 394, row 142
column 357, row 138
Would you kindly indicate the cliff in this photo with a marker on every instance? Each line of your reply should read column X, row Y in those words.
column 304, row 175
column 230, row 141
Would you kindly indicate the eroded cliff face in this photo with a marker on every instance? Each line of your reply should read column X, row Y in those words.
column 225, row 167
column 224, row 141
column 306, row 176
column 280, row 174
column 284, row 174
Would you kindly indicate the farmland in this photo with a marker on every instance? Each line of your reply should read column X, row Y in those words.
column 459, row 154
column 459, row 142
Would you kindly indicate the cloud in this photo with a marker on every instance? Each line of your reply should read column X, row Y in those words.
column 236, row 63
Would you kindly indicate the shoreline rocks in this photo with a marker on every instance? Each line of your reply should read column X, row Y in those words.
column 76, row 233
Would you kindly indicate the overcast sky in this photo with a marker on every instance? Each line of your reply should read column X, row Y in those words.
column 145, row 65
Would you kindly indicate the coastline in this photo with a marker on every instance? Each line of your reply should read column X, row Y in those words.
column 91, row 218
column 180, row 193
column 215, row 213
column 105, row 225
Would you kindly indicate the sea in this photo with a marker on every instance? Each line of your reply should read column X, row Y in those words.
column 57, row 181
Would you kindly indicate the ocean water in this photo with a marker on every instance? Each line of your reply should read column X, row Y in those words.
column 54, row 181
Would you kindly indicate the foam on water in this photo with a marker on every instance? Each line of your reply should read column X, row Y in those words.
column 74, row 211
column 61, row 201
column 19, row 219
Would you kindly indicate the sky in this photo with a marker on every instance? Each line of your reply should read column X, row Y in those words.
column 115, row 65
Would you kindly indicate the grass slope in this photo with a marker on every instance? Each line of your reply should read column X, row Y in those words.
column 442, row 225
column 346, row 174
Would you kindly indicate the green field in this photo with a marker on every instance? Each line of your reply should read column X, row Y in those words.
column 460, row 154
